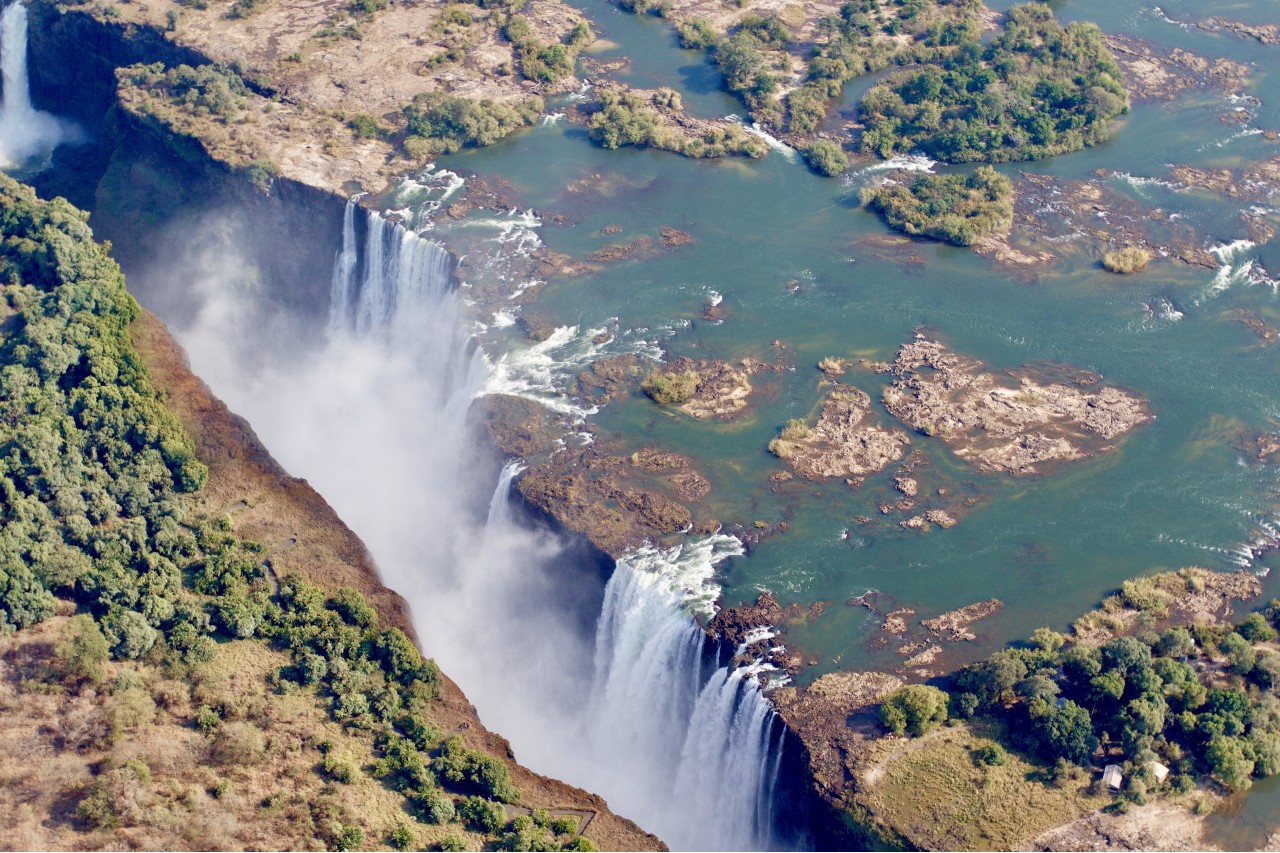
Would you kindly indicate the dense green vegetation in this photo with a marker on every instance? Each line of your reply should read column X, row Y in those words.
column 671, row 388
column 441, row 124
column 826, row 158
column 93, row 471
column 866, row 36
column 1038, row 89
column 633, row 118
column 92, row 463
column 545, row 63
column 1200, row 699
column 207, row 90
column 958, row 209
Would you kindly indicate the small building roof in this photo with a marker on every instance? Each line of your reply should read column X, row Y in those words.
column 1112, row 776
column 1158, row 770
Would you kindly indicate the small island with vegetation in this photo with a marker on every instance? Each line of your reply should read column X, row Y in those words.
column 956, row 208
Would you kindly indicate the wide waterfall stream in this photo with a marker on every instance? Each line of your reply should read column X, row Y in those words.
column 374, row 414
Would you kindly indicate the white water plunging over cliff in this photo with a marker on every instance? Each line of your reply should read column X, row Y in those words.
column 702, row 744
column 27, row 135
column 374, row 415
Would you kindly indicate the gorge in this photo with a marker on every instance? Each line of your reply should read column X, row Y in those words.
column 358, row 326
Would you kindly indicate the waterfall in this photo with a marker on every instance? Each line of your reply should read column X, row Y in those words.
column 399, row 292
column 702, row 750
column 610, row 687
column 27, row 135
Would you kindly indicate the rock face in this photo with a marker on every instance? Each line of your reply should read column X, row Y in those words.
column 842, row 443
column 286, row 509
column 615, row 501
column 1008, row 422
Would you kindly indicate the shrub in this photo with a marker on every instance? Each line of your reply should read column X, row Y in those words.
column 482, row 815
column 338, row 770
column 1256, row 629
column 671, row 388
column 564, row 825
column 81, row 650
column 696, row 34
column 826, row 158
column 1130, row 259
column 957, row 209
column 435, row 806
column 453, row 843
column 236, row 744
column 349, row 838
column 365, row 126
column 402, row 837
column 915, row 709
column 992, row 755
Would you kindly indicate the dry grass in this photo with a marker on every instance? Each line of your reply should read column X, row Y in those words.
column 938, row 797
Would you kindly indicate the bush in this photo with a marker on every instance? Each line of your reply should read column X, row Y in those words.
column 826, row 158
column 349, row 838
column 1130, row 259
column 81, row 650
column 338, row 770
column 402, row 837
column 915, row 709
column 453, row 843
column 958, row 209
column 482, row 815
column 671, row 388
column 1256, row 629
column 992, row 755
column 696, row 34
column 237, row 744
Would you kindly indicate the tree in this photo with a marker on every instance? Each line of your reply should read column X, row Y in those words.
column 82, row 650
column 1229, row 762
column 1240, row 654
column 915, row 709
column 1064, row 731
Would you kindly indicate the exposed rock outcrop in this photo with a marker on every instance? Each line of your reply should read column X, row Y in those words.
column 1010, row 422
column 842, row 443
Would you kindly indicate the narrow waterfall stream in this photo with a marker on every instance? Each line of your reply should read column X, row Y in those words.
column 27, row 135
column 616, row 690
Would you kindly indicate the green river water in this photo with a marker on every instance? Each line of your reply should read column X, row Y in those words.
column 798, row 261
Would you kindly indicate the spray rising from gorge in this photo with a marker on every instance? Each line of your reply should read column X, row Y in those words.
column 617, row 690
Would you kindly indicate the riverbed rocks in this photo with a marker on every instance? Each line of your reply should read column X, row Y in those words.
column 954, row 624
column 1011, row 422
column 706, row 389
column 1264, row 33
column 843, row 443
column 1153, row 73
